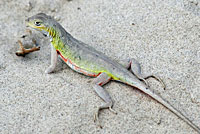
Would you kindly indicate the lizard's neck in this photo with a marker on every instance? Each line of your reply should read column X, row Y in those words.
column 55, row 39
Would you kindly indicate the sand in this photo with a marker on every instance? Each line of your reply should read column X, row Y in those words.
column 162, row 35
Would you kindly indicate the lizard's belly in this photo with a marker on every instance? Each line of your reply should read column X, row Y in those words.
column 80, row 70
column 76, row 68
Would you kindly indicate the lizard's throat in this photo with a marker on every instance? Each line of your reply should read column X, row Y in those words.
column 51, row 33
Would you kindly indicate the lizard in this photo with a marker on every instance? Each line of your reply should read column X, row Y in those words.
column 86, row 60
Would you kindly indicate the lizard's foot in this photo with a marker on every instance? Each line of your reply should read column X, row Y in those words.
column 106, row 106
column 49, row 70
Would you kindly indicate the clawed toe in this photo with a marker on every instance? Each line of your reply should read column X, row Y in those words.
column 96, row 116
column 112, row 110
column 96, row 119
column 145, row 81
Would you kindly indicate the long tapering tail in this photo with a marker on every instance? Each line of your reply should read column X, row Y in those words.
column 145, row 89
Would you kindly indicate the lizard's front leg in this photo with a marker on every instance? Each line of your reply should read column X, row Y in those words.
column 136, row 69
column 103, row 94
column 54, row 58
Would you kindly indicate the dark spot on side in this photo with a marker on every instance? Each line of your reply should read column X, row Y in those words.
column 133, row 24
column 79, row 8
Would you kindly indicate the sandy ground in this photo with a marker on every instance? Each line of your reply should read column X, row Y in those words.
column 163, row 35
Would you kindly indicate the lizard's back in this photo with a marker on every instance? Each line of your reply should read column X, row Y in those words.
column 89, row 59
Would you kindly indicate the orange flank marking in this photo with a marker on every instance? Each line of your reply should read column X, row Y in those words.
column 75, row 67
column 58, row 52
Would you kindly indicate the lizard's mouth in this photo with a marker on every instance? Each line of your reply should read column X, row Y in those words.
column 30, row 23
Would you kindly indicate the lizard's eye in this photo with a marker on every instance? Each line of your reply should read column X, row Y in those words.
column 37, row 23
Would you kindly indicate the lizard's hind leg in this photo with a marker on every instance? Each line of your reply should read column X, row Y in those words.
column 136, row 70
column 103, row 94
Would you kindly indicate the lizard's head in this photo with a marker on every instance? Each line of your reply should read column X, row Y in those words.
column 39, row 22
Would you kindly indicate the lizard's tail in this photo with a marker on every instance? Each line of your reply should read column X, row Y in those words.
column 165, row 103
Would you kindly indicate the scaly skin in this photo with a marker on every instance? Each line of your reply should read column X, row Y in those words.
column 85, row 59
